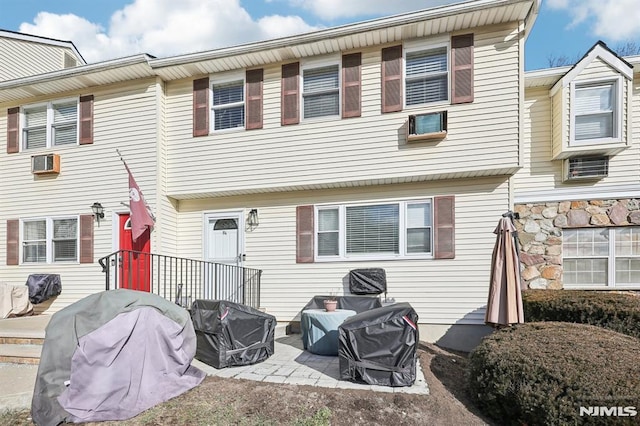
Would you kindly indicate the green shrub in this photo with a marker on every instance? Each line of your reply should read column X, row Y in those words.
column 541, row 373
column 616, row 311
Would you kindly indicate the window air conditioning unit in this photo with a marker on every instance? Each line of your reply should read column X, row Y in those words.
column 45, row 164
column 585, row 168
column 431, row 126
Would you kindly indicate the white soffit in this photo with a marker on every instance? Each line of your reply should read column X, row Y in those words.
column 456, row 17
column 442, row 20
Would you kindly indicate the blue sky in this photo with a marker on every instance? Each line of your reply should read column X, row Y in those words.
column 105, row 29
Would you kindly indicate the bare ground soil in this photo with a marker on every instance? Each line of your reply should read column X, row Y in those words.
column 220, row 401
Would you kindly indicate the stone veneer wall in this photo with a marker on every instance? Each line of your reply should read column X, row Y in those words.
column 540, row 233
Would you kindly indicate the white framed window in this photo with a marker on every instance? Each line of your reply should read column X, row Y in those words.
column 601, row 257
column 385, row 230
column 426, row 73
column 596, row 111
column 50, row 240
column 227, row 110
column 320, row 89
column 50, row 124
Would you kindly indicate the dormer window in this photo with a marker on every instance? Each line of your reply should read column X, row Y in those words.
column 596, row 112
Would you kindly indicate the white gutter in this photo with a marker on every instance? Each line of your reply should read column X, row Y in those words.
column 345, row 30
column 78, row 71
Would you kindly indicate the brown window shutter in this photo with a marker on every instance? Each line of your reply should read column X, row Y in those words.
column 13, row 242
column 86, row 120
column 304, row 234
column 290, row 87
column 201, row 107
column 444, row 227
column 254, row 99
column 392, row 79
column 13, row 131
column 351, row 76
column 462, row 69
column 86, row 238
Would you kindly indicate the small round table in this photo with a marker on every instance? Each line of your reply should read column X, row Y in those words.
column 320, row 329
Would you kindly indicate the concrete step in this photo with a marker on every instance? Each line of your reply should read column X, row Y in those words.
column 21, row 341
column 20, row 353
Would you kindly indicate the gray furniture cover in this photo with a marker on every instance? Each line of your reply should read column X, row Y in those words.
column 43, row 287
column 352, row 303
column 378, row 347
column 111, row 356
column 231, row 334
column 368, row 281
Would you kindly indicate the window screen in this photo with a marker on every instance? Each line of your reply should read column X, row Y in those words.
column 372, row 229
column 228, row 105
column 321, row 93
column 426, row 76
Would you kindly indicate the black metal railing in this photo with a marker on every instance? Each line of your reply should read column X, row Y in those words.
column 181, row 280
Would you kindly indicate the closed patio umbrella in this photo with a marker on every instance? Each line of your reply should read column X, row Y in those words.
column 504, row 305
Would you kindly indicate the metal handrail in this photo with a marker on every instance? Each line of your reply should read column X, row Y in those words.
column 181, row 280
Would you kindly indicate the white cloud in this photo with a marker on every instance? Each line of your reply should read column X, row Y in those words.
column 332, row 9
column 165, row 28
column 611, row 20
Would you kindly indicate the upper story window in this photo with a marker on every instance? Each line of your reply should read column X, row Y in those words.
column 428, row 72
column 50, row 124
column 385, row 230
column 426, row 76
column 228, row 104
column 596, row 112
column 601, row 257
column 321, row 91
column 50, row 240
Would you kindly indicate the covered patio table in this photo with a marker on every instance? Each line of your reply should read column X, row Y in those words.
column 320, row 329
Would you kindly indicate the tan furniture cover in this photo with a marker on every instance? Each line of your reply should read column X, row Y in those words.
column 14, row 301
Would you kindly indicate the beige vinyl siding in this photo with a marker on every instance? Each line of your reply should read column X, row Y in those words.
column 20, row 58
column 482, row 135
column 540, row 173
column 165, row 212
column 442, row 291
column 125, row 117
column 560, row 104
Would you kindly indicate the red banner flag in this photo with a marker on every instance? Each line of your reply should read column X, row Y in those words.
column 140, row 216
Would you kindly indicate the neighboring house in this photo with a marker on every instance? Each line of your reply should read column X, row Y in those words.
column 22, row 55
column 390, row 143
column 578, row 193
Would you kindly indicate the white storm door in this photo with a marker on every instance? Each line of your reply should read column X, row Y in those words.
column 224, row 243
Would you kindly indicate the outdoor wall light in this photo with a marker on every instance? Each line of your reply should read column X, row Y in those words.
column 98, row 211
column 252, row 219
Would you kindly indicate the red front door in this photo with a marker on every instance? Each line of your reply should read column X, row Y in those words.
column 135, row 262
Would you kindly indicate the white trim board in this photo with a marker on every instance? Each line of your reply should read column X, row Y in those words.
column 575, row 194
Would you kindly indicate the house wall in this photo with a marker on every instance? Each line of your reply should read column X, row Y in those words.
column 447, row 291
column 126, row 118
column 370, row 148
column 20, row 58
column 540, row 173
column 546, row 204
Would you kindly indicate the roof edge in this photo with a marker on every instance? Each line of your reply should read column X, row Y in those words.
column 598, row 50
column 333, row 32
column 142, row 58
